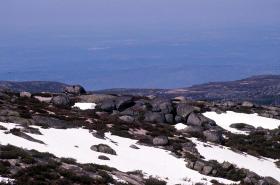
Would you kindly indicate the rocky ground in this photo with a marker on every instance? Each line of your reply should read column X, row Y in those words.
column 151, row 120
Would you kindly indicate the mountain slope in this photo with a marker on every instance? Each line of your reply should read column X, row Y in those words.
column 33, row 86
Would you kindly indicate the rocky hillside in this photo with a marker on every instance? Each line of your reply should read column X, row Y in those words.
column 259, row 89
column 80, row 138
column 33, row 86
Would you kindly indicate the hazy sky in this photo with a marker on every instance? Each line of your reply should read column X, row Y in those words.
column 138, row 43
column 52, row 15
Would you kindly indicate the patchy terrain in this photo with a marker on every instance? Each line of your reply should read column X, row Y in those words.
column 75, row 137
column 259, row 89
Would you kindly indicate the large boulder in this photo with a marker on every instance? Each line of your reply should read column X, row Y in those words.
column 61, row 101
column 213, row 136
column 162, row 105
column 127, row 119
column 154, row 117
column 184, row 110
column 198, row 166
column 195, row 119
column 96, row 98
column 75, row 90
column 271, row 181
column 169, row 118
column 103, row 149
column 108, row 106
column 166, row 107
column 123, row 103
column 160, row 140
column 193, row 130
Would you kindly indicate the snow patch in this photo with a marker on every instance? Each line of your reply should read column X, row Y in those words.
column 76, row 142
column 262, row 166
column 6, row 180
column 85, row 106
column 224, row 120
column 180, row 126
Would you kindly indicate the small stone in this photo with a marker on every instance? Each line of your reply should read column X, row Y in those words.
column 134, row 147
column 103, row 157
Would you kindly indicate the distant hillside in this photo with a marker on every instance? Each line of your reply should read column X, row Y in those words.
column 259, row 89
column 33, row 86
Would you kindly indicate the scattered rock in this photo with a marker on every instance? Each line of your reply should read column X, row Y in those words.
column 103, row 149
column 160, row 140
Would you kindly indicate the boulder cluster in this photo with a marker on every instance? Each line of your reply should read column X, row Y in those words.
column 162, row 110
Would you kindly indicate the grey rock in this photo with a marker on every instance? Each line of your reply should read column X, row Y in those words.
column 213, row 136
column 96, row 98
column 184, row 110
column 134, row 147
column 166, row 107
column 61, row 101
column 178, row 119
column 75, row 90
column 242, row 126
column 169, row 118
column 193, row 130
column 108, row 105
column 128, row 119
column 226, row 165
column 47, row 121
column 271, row 181
column 207, row 170
column 198, row 166
column 160, row 140
column 103, row 157
column 195, row 119
column 123, row 103
column 154, row 117
column 103, row 149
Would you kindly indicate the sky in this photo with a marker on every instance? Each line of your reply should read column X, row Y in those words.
column 53, row 15
column 138, row 43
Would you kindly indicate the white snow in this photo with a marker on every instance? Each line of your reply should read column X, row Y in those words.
column 180, row 126
column 153, row 161
column 262, row 166
column 5, row 180
column 224, row 120
column 85, row 106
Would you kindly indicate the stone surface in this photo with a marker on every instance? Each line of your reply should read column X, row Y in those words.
column 160, row 140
